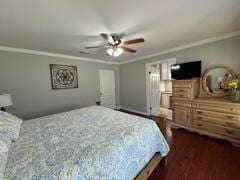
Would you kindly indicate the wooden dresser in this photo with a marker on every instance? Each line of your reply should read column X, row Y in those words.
column 215, row 117
column 183, row 92
column 185, row 88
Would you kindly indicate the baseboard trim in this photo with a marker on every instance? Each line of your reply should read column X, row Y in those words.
column 118, row 108
column 134, row 111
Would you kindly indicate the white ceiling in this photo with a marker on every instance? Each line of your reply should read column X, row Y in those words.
column 66, row 26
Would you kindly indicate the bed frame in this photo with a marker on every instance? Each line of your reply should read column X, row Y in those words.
column 154, row 162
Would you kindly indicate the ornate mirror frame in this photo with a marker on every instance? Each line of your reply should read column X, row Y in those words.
column 204, row 81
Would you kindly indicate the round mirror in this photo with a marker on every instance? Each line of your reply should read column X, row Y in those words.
column 213, row 79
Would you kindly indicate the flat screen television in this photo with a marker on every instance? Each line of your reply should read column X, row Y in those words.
column 188, row 70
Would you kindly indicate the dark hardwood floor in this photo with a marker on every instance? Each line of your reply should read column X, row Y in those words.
column 197, row 157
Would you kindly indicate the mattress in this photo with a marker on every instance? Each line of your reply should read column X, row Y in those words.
column 87, row 143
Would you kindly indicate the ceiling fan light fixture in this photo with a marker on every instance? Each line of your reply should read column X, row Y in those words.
column 118, row 51
column 110, row 51
column 115, row 51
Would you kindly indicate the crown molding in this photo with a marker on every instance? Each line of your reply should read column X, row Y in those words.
column 41, row 53
column 197, row 43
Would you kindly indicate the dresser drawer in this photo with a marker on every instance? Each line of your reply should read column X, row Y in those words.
column 218, row 108
column 181, row 90
column 182, row 103
column 229, row 132
column 182, row 95
column 217, row 115
column 219, row 121
column 182, row 84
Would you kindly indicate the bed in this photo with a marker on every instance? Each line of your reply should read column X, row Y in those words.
column 87, row 143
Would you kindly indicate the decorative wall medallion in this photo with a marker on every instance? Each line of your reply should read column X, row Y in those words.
column 64, row 76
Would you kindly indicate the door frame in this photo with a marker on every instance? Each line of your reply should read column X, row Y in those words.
column 148, row 80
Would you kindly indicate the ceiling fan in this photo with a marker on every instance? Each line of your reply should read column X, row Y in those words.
column 115, row 46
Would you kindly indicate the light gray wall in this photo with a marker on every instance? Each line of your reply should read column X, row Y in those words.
column 133, row 75
column 27, row 78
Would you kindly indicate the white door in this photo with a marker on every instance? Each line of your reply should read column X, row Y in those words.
column 155, row 89
column 107, row 88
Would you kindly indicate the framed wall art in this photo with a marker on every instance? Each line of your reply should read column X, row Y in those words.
column 64, row 76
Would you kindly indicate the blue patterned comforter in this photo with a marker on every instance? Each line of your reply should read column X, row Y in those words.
column 88, row 143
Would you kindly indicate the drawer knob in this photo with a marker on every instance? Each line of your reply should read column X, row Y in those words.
column 199, row 125
column 229, row 123
column 229, row 132
column 199, row 112
column 199, row 117
column 230, row 117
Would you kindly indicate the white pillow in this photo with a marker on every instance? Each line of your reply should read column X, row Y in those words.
column 10, row 125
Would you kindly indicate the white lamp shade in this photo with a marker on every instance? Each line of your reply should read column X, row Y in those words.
column 5, row 100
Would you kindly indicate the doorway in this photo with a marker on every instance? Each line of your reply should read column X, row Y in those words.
column 107, row 88
column 155, row 91
column 159, row 87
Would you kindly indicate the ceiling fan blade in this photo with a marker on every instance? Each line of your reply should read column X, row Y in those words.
column 84, row 52
column 128, row 49
column 107, row 37
column 92, row 47
column 104, row 36
column 134, row 41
